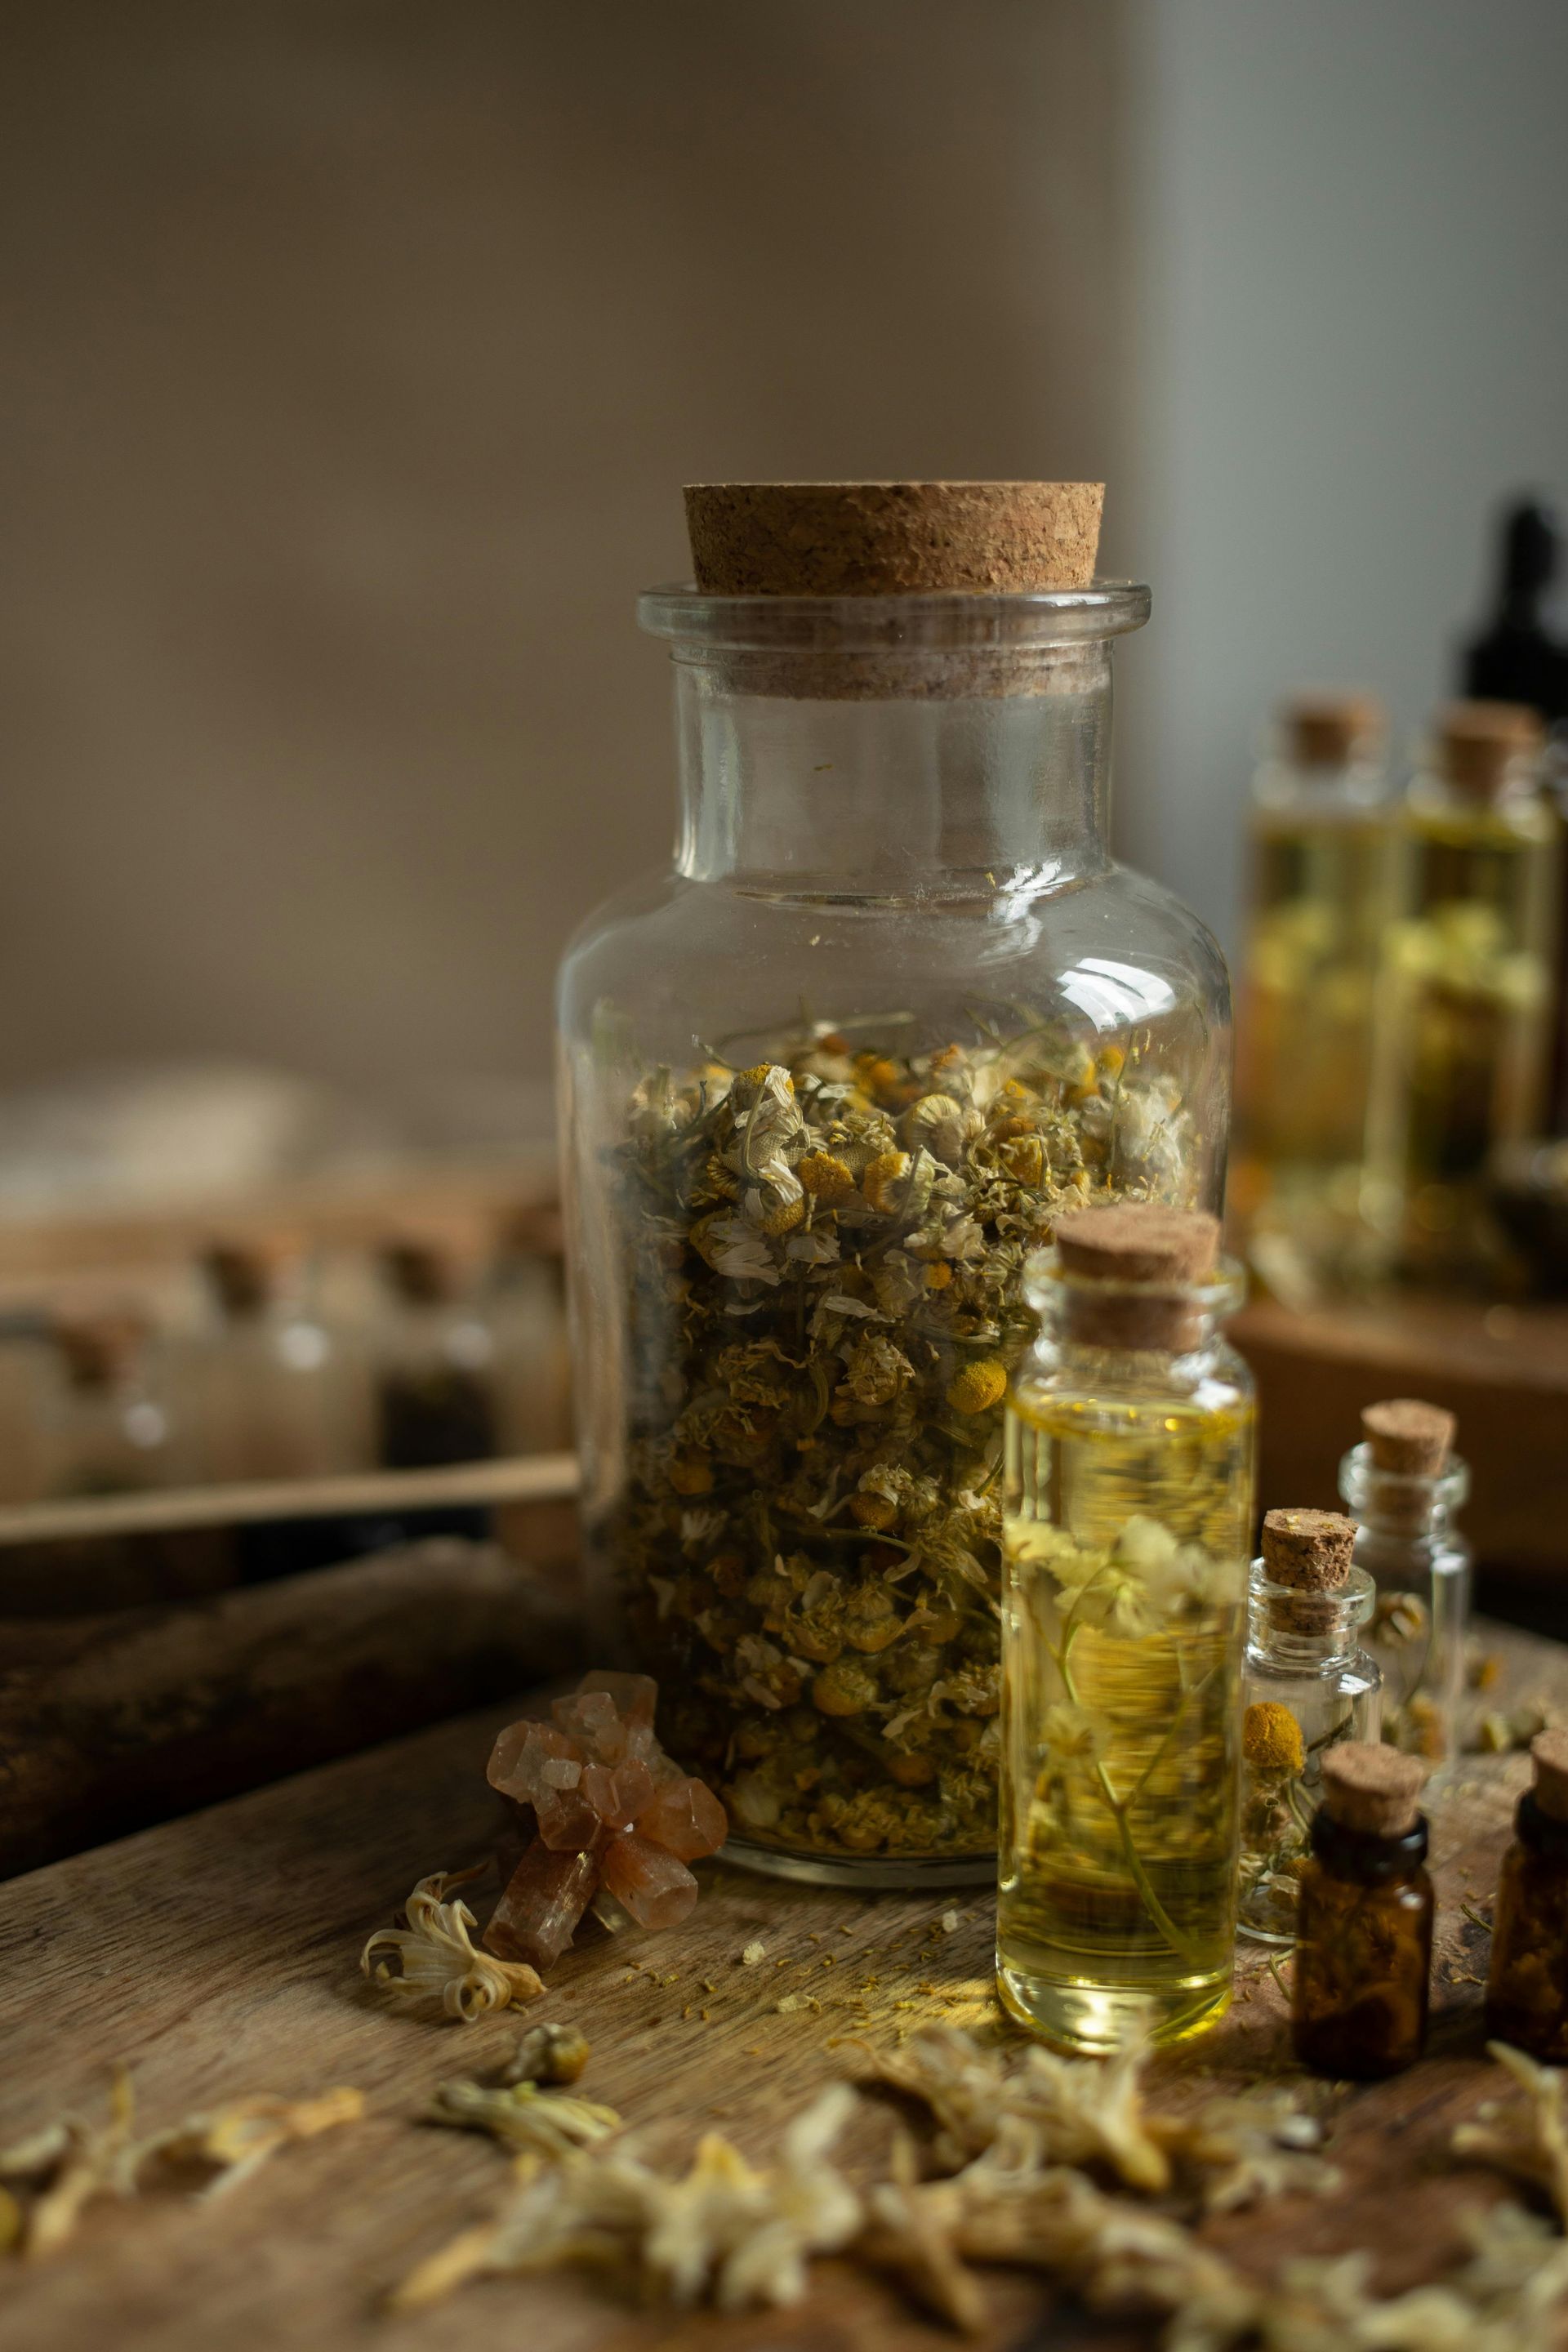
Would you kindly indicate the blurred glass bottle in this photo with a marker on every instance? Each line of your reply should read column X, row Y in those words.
column 525, row 1307
column 1403, row 1485
column 106, row 1429
column 436, row 1373
column 274, row 1393
column 1321, row 890
column 1465, row 989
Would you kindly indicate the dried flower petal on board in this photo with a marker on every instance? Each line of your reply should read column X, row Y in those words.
column 237, row 2139
column 1073, row 2110
column 65, row 2165
column 722, row 2233
column 1529, row 2139
column 1258, row 2145
column 435, row 1955
column 543, row 2123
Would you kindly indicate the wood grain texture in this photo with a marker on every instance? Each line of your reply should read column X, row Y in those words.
column 219, row 1954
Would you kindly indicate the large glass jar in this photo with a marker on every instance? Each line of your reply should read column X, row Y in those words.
column 825, row 1083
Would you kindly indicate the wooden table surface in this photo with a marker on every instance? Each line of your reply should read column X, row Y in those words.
column 219, row 1956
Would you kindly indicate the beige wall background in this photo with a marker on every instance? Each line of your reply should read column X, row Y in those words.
column 354, row 356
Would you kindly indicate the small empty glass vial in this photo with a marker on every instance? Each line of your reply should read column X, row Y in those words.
column 1402, row 1485
column 1527, row 1984
column 1306, row 1686
column 1363, row 1923
column 1126, row 1518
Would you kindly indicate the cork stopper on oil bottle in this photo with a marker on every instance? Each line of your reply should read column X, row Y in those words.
column 1130, row 1270
column 1482, row 747
column 1373, row 1791
column 1330, row 730
column 1409, row 1443
column 1310, row 1552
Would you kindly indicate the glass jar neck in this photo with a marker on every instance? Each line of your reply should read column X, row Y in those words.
column 894, row 747
column 949, row 796
column 1308, row 1632
column 1130, row 1330
column 1399, row 1508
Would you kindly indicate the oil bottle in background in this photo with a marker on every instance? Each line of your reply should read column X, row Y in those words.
column 1465, row 991
column 1322, row 894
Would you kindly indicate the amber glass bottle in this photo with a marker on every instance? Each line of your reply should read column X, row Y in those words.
column 1527, row 1985
column 1363, row 1929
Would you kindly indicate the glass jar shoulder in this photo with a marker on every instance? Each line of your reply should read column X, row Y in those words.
column 682, row 971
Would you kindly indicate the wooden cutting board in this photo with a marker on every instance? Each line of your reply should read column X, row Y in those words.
column 218, row 1955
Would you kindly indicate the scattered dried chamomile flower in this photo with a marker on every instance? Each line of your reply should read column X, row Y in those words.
column 1006, row 2207
column 434, row 1955
column 1073, row 2110
column 548, row 2054
column 1529, row 2139
column 722, row 2233
column 237, row 2139
column 61, row 2168
column 541, row 2122
column 1258, row 2145
column 66, row 2164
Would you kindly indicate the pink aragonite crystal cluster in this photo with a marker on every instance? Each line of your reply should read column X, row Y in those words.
column 611, row 1809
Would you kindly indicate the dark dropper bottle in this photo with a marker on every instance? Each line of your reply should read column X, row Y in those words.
column 1363, row 1929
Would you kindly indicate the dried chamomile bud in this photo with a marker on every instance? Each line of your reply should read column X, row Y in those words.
column 435, row 1955
column 548, row 2054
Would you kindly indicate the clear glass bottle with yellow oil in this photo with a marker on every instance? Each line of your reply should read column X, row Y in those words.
column 1322, row 896
column 1127, row 1516
column 1465, row 1011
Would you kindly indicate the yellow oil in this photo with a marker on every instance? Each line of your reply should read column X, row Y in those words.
column 1322, row 889
column 1116, row 1912
column 1464, row 1023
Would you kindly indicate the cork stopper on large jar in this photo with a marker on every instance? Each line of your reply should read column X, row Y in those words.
column 1481, row 746
column 1374, row 1790
column 1408, row 1438
column 1328, row 730
column 1131, row 1269
column 1549, row 1756
column 892, row 539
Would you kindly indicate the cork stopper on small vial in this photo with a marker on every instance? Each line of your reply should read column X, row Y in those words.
column 1147, row 1258
column 892, row 539
column 1480, row 745
column 1309, row 1550
column 1408, row 1438
column 1372, row 1789
column 1327, row 730
column 1549, row 1756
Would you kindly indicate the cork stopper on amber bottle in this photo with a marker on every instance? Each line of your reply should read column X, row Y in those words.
column 1407, row 1438
column 1326, row 730
column 1372, row 1789
column 1130, row 1270
column 1480, row 745
column 892, row 539
column 1549, row 1756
